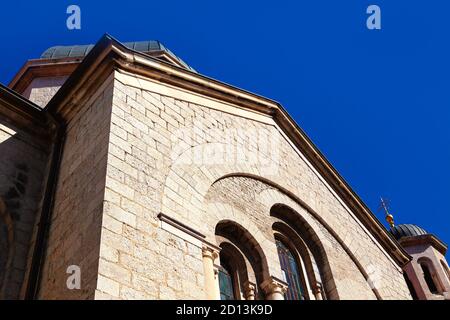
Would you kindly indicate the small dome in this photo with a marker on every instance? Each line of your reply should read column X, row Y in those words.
column 80, row 51
column 407, row 230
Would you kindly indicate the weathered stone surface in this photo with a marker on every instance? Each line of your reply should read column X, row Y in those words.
column 75, row 231
column 23, row 168
column 132, row 153
column 161, row 144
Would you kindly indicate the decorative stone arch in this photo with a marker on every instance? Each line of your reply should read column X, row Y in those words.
column 188, row 181
column 281, row 196
column 233, row 254
column 195, row 176
column 301, row 233
column 248, row 245
column 223, row 212
column 6, row 247
column 299, row 248
column 246, row 282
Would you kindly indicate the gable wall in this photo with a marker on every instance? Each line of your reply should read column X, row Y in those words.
column 160, row 143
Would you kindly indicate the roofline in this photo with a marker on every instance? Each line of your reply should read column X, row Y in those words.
column 42, row 68
column 108, row 50
column 19, row 101
column 22, row 113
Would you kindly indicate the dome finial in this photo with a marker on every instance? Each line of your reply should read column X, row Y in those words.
column 389, row 217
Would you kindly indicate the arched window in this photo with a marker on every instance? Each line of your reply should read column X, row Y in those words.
column 429, row 278
column 227, row 280
column 290, row 267
column 304, row 244
column 240, row 251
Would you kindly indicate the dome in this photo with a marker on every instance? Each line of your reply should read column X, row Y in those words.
column 407, row 230
column 80, row 51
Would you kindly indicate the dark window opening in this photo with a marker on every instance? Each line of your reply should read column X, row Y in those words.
column 429, row 278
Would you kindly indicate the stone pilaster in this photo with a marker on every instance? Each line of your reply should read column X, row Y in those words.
column 210, row 256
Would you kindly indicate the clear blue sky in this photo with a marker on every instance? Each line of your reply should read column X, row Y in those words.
column 376, row 103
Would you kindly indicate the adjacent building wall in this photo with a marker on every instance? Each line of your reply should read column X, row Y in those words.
column 436, row 262
column 24, row 160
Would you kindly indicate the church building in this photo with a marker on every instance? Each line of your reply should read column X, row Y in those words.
column 126, row 174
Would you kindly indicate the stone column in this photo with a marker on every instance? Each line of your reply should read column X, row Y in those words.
column 274, row 288
column 318, row 294
column 249, row 290
column 210, row 255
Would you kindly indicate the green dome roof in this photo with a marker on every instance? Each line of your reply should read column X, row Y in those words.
column 80, row 51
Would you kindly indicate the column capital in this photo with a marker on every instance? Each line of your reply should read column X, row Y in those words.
column 273, row 286
column 318, row 291
column 249, row 290
column 209, row 255
column 210, row 252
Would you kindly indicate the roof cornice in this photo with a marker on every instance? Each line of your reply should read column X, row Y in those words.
column 36, row 68
column 109, row 53
column 23, row 113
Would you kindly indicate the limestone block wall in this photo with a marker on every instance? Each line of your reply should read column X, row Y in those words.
column 166, row 154
column 23, row 170
column 139, row 260
column 75, row 230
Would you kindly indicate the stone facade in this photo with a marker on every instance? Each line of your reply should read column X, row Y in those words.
column 74, row 236
column 150, row 132
column 158, row 182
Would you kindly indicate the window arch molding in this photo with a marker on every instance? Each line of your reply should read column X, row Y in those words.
column 313, row 282
column 289, row 217
column 242, row 275
column 240, row 237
